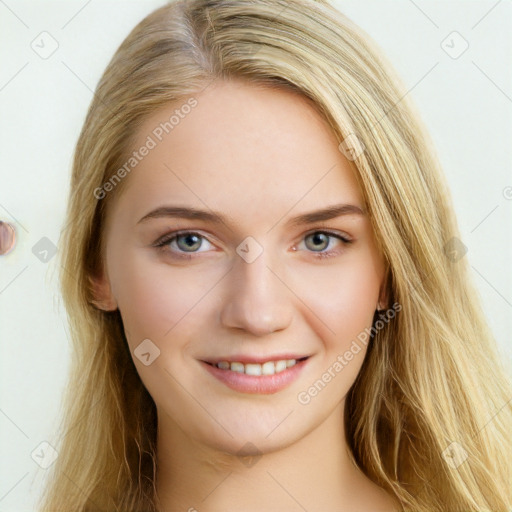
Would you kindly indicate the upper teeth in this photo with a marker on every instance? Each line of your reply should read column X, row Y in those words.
column 267, row 368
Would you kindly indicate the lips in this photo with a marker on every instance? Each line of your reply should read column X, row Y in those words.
column 257, row 375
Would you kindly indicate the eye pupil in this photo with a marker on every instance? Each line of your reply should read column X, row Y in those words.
column 189, row 237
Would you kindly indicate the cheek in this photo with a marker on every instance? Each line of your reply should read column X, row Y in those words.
column 342, row 303
column 152, row 297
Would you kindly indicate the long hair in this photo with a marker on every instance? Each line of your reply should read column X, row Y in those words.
column 432, row 389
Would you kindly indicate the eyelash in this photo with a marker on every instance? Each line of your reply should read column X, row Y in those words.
column 163, row 242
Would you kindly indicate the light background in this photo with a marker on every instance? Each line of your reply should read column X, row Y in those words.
column 465, row 102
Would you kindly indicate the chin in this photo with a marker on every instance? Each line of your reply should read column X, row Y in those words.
column 250, row 433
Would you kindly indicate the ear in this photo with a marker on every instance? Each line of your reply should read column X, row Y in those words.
column 101, row 292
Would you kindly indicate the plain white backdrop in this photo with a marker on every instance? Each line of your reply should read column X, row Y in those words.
column 52, row 55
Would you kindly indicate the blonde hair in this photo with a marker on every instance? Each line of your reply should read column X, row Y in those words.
column 431, row 377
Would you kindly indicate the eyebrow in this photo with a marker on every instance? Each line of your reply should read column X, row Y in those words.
column 183, row 212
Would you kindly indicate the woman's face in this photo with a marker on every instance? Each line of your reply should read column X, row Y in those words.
column 263, row 275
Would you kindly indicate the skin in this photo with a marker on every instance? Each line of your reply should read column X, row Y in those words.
column 259, row 156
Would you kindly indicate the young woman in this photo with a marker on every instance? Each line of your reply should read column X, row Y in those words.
column 260, row 267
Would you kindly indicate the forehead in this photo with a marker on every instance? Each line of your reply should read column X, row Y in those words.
column 242, row 148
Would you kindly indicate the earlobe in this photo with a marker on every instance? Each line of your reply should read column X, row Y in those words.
column 101, row 293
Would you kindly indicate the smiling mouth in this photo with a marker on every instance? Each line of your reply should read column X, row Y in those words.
column 257, row 369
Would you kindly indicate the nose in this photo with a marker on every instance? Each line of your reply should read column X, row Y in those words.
column 257, row 300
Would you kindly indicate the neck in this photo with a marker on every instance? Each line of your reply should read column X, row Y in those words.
column 314, row 473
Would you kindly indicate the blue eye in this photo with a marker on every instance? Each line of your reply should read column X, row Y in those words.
column 187, row 243
column 322, row 239
column 182, row 242
column 190, row 241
